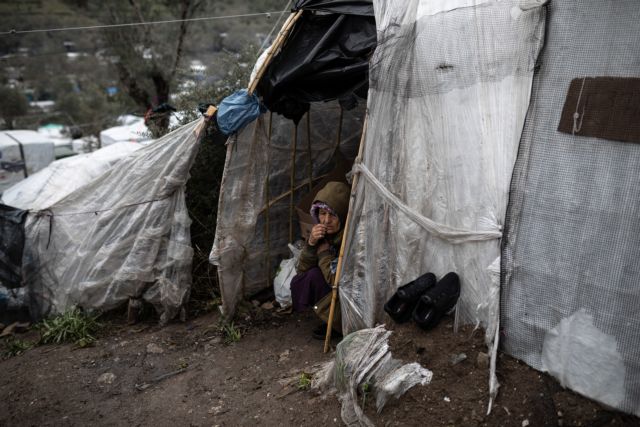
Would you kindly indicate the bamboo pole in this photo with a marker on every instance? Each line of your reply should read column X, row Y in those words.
column 267, row 196
column 309, row 149
column 286, row 193
column 278, row 42
column 339, row 138
column 334, row 290
column 294, row 148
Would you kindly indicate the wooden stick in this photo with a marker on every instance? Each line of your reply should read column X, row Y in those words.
column 336, row 280
column 292, row 180
column 286, row 193
column 339, row 139
column 279, row 41
column 309, row 149
column 266, row 192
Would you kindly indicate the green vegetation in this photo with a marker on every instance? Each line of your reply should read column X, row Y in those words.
column 15, row 347
column 231, row 332
column 366, row 389
column 304, row 382
column 72, row 326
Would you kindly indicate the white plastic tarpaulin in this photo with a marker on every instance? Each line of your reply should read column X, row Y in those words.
column 123, row 235
column 449, row 89
column 571, row 294
column 64, row 176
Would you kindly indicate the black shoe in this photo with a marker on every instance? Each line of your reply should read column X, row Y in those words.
column 320, row 332
column 437, row 301
column 403, row 301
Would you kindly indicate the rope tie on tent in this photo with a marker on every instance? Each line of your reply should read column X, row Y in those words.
column 442, row 231
column 577, row 126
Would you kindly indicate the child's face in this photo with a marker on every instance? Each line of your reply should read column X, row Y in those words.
column 332, row 222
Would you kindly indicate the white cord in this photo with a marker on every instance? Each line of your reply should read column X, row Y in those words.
column 133, row 24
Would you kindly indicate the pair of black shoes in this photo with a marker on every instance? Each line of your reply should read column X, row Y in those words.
column 426, row 300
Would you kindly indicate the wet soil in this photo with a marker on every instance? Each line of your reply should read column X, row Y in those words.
column 187, row 374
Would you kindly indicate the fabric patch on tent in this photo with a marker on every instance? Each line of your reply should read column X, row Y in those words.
column 603, row 107
column 585, row 359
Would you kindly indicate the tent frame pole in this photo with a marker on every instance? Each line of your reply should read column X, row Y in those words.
column 294, row 149
column 310, row 171
column 267, row 229
column 334, row 289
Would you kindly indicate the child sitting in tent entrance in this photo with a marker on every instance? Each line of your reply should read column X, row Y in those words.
column 318, row 260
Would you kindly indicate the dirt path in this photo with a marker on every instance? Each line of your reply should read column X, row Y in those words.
column 184, row 374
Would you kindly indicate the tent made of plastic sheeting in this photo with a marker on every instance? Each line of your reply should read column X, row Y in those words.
column 64, row 176
column 571, row 291
column 20, row 149
column 132, row 129
column 254, row 212
column 123, row 235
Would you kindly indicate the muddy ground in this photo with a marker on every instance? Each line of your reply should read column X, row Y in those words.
column 185, row 374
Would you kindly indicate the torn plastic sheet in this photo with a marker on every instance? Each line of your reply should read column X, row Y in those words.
column 325, row 58
column 125, row 234
column 363, row 361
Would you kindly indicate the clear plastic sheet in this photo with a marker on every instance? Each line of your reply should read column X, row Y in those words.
column 246, row 259
column 570, row 294
column 123, row 235
column 64, row 176
column 364, row 364
column 449, row 90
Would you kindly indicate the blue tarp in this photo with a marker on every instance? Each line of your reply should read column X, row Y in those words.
column 238, row 110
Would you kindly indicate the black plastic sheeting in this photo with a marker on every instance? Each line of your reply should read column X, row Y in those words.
column 325, row 58
column 347, row 7
column 11, row 245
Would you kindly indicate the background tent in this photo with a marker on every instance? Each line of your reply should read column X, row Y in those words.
column 571, row 290
column 38, row 151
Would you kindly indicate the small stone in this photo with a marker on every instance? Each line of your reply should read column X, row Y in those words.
column 482, row 361
column 446, row 399
column 284, row 356
column 457, row 358
column 525, row 423
column 106, row 378
column 154, row 348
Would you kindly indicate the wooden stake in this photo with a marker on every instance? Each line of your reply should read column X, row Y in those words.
column 267, row 196
column 339, row 138
column 293, row 180
column 334, row 290
column 278, row 42
column 309, row 149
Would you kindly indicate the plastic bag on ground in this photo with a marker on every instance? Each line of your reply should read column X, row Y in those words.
column 363, row 361
column 286, row 272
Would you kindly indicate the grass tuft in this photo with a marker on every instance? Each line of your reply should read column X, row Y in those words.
column 230, row 332
column 72, row 326
column 304, row 382
column 15, row 347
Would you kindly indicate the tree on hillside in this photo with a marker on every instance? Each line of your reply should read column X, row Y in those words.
column 148, row 56
column 13, row 105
